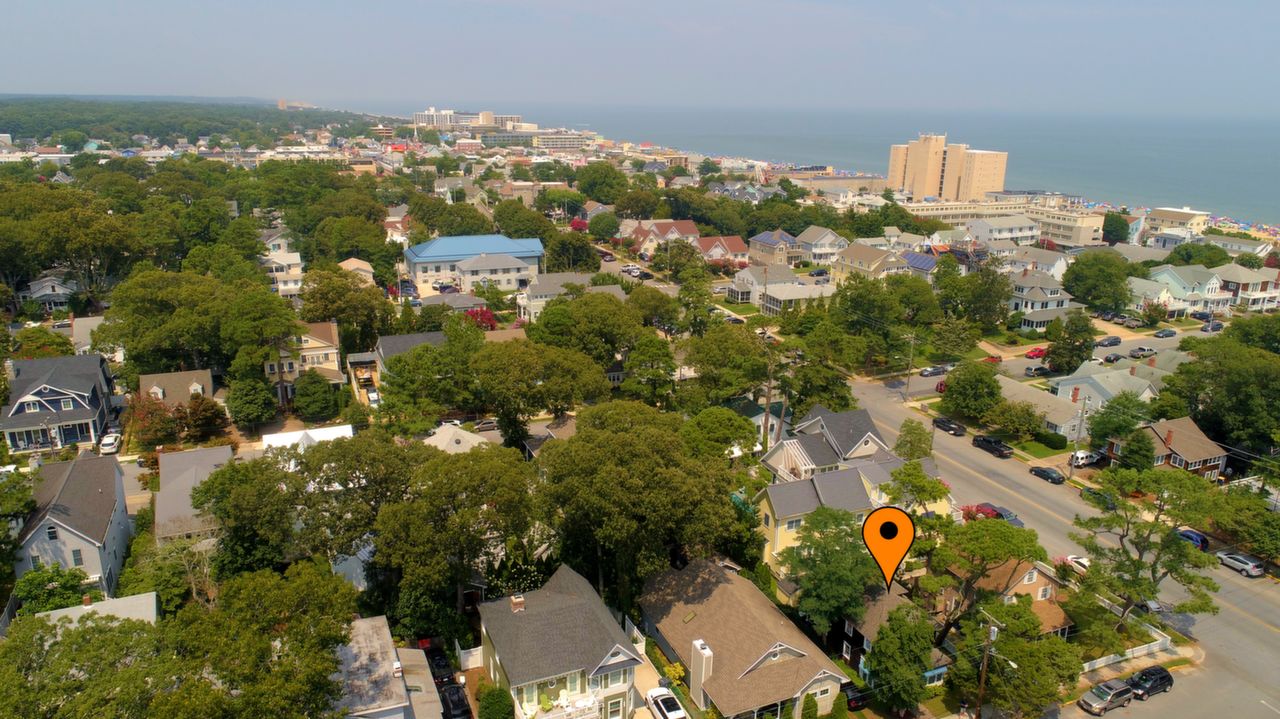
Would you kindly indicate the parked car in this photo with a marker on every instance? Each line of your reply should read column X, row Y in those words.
column 453, row 699
column 950, row 426
column 645, row 275
column 1095, row 496
column 855, row 698
column 1078, row 564
column 1243, row 563
column 1106, row 316
column 1105, row 697
column 607, row 257
column 1108, row 341
column 1166, row 332
column 441, row 669
column 990, row 444
column 1083, row 458
column 1150, row 606
column 486, row 425
column 1141, row 352
column 1049, row 474
column 663, row 704
column 449, row 290
column 1112, row 358
column 735, row 320
column 110, row 444
column 720, row 289
column 933, row 371
column 1132, row 323
column 820, row 272
column 1201, row 315
column 1036, row 353
column 1037, row 371
column 1213, row 326
column 1120, row 318
column 996, row 512
column 1150, row 681
column 454, row 422
column 375, row 399
column 1199, row 540
column 940, row 387
column 628, row 267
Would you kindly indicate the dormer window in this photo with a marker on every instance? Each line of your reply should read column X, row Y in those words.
column 30, row 406
column 68, row 404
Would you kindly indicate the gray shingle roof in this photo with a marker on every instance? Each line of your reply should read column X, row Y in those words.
column 80, row 494
column 181, row 472
column 842, row 489
column 391, row 345
column 563, row 627
column 846, row 428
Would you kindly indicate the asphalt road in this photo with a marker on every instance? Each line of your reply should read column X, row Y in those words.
column 1242, row 642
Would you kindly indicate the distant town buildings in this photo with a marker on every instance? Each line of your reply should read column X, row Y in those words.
column 929, row 167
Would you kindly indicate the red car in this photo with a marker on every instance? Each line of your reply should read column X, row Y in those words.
column 1036, row 353
column 992, row 359
column 941, row 386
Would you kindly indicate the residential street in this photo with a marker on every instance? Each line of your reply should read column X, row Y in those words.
column 1238, row 677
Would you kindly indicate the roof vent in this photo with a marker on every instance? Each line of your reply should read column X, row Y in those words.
column 517, row 603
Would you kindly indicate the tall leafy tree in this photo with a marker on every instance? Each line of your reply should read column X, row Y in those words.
column 650, row 371
column 1115, row 229
column 597, row 324
column 602, row 182
column 831, row 568
column 1118, row 418
column 251, row 402
column 520, row 378
column 1019, row 419
column 628, row 496
column 1132, row 548
column 914, row 441
column 48, row 587
column 1099, row 280
column 954, row 337
column 41, row 342
column 1070, row 342
column 361, row 311
column 972, row 390
column 900, row 655
column 254, row 505
column 1232, row 392
column 314, row 399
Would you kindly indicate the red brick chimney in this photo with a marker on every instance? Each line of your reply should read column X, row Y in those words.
column 86, row 600
column 1151, row 361
column 1133, row 370
column 1075, row 394
column 1025, row 271
column 517, row 603
column 1168, row 438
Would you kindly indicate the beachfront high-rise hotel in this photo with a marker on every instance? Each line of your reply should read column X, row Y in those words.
column 929, row 167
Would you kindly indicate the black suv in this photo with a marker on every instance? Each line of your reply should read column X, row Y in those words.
column 1108, row 341
column 993, row 445
column 1150, row 681
column 441, row 668
column 950, row 426
column 453, row 699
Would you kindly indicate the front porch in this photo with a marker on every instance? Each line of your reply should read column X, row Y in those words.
column 34, row 439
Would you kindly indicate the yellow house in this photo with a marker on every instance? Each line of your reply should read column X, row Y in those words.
column 872, row 262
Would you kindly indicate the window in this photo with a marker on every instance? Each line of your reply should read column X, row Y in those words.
column 848, row 628
column 766, row 520
column 1045, row 592
column 573, row 683
column 822, row 692
column 846, row 651
column 271, row 367
column 1029, row 577
column 30, row 406
column 793, row 524
column 68, row 404
column 51, row 532
column 1178, row 461
column 1010, row 599
column 290, row 366
column 530, row 694
column 615, row 709
column 77, row 558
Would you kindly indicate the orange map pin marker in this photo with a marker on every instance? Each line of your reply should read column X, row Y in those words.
column 888, row 534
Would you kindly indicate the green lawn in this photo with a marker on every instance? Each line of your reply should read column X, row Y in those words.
column 942, row 705
column 740, row 308
column 1040, row 451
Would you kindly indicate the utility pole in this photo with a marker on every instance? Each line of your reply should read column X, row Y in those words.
column 992, row 631
column 911, row 361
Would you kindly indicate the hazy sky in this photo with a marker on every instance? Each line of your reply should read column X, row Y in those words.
column 1073, row 56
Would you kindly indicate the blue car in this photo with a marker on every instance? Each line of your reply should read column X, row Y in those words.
column 1199, row 540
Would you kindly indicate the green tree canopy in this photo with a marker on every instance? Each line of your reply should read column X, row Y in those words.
column 972, row 390
column 1099, row 280
column 900, row 655
column 914, row 440
column 831, row 568
column 1070, row 342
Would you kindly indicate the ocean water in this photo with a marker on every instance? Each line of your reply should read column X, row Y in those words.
column 1226, row 166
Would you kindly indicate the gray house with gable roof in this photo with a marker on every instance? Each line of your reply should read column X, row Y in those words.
column 559, row 647
column 79, row 521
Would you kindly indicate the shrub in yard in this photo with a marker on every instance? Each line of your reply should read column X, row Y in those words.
column 809, row 709
column 1052, row 440
column 495, row 702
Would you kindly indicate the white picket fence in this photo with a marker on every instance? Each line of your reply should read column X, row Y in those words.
column 469, row 658
column 1161, row 643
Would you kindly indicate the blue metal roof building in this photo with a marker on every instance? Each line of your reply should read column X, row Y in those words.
column 453, row 249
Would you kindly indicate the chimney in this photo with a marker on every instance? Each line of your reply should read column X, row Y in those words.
column 1168, row 438
column 8, row 371
column 699, row 672
column 1151, row 361
column 517, row 603
column 1025, row 271
column 1075, row 394
column 86, row 600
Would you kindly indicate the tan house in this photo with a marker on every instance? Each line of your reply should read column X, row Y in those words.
column 560, row 652
column 1169, row 218
column 176, row 388
column 316, row 348
column 359, row 268
column 741, row 654
column 1180, row 444
column 867, row 261
column 285, row 271
column 1011, row 580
